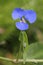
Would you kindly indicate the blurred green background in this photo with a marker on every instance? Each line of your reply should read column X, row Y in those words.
column 9, row 34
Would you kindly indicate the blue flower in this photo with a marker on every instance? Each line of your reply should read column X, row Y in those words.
column 22, row 25
column 17, row 13
column 29, row 15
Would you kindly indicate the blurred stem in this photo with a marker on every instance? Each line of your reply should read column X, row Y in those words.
column 21, row 60
column 7, row 59
column 21, row 46
column 23, row 38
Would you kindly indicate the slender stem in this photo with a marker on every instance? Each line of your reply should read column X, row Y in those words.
column 21, row 60
column 7, row 59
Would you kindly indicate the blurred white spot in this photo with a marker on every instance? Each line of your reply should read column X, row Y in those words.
column 24, row 45
column 3, row 42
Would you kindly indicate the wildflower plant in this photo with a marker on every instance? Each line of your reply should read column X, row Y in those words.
column 22, row 25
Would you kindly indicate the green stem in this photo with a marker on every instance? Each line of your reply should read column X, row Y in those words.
column 7, row 59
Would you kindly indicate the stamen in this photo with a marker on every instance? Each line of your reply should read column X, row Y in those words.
column 22, row 20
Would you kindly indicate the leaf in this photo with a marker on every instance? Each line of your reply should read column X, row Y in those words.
column 35, row 51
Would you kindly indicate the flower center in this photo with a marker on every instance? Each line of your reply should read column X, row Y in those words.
column 22, row 20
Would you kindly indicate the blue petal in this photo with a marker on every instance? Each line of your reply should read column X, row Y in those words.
column 21, row 25
column 17, row 13
column 30, row 15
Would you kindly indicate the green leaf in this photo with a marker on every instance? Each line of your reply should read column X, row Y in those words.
column 35, row 51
